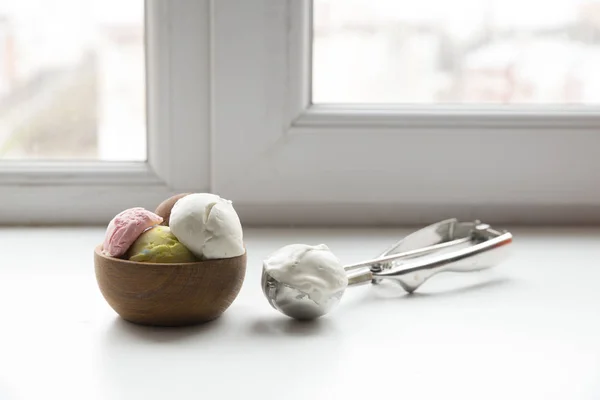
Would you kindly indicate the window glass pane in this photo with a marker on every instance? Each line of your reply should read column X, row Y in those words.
column 72, row 79
column 459, row 51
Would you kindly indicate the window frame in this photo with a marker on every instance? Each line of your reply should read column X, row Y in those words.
column 229, row 112
column 300, row 163
column 178, row 128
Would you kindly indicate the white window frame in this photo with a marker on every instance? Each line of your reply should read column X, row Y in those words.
column 283, row 159
column 178, row 107
column 230, row 112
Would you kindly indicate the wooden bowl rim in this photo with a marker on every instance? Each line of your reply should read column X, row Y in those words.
column 201, row 263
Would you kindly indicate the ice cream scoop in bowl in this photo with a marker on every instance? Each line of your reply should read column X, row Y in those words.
column 186, row 273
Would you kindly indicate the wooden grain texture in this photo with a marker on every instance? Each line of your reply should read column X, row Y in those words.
column 169, row 294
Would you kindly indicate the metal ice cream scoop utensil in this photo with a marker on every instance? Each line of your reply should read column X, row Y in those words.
column 448, row 245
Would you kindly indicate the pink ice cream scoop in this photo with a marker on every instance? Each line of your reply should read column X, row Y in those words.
column 125, row 228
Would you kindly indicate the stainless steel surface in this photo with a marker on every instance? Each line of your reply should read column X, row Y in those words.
column 293, row 302
column 445, row 246
column 386, row 259
column 413, row 274
column 362, row 276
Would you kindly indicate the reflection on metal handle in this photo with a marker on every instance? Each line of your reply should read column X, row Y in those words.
column 475, row 258
column 409, row 262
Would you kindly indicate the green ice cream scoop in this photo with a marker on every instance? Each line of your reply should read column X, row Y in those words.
column 159, row 245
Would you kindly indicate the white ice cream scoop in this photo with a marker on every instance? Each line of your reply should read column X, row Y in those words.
column 312, row 280
column 306, row 282
column 208, row 226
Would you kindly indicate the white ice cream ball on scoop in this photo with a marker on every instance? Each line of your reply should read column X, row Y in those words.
column 303, row 281
column 208, row 226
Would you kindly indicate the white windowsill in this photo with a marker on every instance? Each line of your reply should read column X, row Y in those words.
column 526, row 330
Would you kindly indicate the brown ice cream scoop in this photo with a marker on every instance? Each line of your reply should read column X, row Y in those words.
column 164, row 208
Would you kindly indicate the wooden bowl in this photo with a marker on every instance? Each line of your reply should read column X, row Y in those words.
column 169, row 294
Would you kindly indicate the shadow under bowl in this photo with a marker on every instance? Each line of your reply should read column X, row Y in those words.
column 174, row 294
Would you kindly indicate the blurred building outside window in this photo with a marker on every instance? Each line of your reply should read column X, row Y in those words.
column 457, row 52
column 72, row 80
